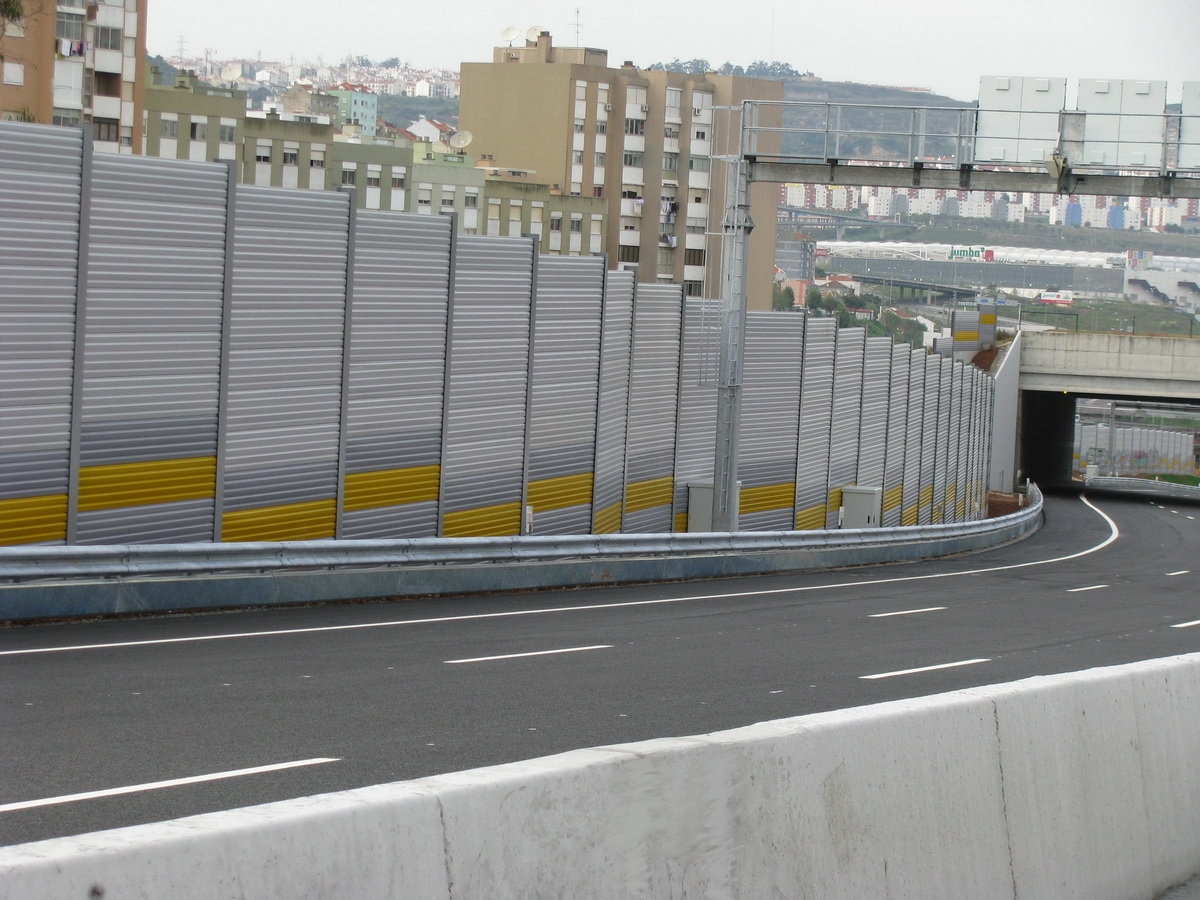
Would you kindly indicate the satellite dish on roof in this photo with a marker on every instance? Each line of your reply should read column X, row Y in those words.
column 461, row 139
column 532, row 33
column 510, row 34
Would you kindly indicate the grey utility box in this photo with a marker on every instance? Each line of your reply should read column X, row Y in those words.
column 862, row 507
column 700, row 505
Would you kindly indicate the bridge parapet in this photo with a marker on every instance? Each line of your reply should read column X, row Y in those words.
column 1111, row 364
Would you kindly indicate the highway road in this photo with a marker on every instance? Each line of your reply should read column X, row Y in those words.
column 113, row 723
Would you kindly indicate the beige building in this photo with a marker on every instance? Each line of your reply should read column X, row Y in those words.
column 193, row 120
column 77, row 62
column 644, row 142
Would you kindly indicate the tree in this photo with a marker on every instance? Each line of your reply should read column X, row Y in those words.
column 782, row 297
column 11, row 10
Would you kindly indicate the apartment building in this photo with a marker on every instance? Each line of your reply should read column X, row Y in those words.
column 78, row 62
column 644, row 142
column 192, row 120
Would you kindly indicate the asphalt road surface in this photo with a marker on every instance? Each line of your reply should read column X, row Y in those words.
column 94, row 717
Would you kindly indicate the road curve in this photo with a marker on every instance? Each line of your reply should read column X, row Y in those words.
column 115, row 723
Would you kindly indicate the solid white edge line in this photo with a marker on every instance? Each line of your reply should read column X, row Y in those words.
column 451, row 662
column 1186, row 624
column 965, row 662
column 156, row 785
column 1093, row 587
column 906, row 612
column 1114, row 533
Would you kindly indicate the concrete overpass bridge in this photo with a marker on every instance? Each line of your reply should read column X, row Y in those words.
column 1056, row 368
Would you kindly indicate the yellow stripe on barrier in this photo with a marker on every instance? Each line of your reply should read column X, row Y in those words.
column 561, row 492
column 309, row 521
column 835, row 499
column 966, row 335
column 987, row 318
column 391, row 487
column 485, row 521
column 608, row 520
column 649, row 494
column 810, row 519
column 951, row 495
column 29, row 520
column 767, row 497
column 893, row 498
column 910, row 516
column 681, row 522
column 142, row 483
column 926, row 496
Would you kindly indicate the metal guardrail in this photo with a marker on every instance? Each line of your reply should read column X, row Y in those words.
column 125, row 561
column 1145, row 486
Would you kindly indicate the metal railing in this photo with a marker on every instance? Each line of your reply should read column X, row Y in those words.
column 962, row 136
column 1143, row 486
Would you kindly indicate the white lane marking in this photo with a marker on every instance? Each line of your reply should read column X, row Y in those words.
column 906, row 612
column 452, row 662
column 1114, row 533
column 965, row 662
column 1093, row 587
column 156, row 785
column 1180, row 572
column 1186, row 624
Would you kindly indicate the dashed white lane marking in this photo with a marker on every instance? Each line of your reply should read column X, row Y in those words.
column 1114, row 534
column 1091, row 587
column 1180, row 572
column 965, row 662
column 534, row 653
column 1186, row 624
column 156, row 785
column 906, row 612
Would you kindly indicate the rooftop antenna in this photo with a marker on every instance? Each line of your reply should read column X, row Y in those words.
column 510, row 34
column 182, row 45
column 577, row 26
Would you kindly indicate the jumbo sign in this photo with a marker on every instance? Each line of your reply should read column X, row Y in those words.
column 983, row 254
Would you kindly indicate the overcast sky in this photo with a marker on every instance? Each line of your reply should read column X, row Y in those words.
column 945, row 46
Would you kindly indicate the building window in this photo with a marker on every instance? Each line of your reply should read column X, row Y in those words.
column 601, row 127
column 107, row 130
column 68, row 117
column 372, row 180
column 69, row 27
column 634, row 158
column 674, row 101
column 317, row 159
column 471, row 201
column 693, row 288
column 349, row 176
column 200, row 133
column 14, row 73
column 425, row 197
column 108, row 38
column 556, row 223
column 576, row 226
column 635, row 126
column 629, row 254
column 693, row 257
column 701, row 134
column 262, row 155
column 599, row 159
column 447, row 201
column 629, row 194
column 698, row 163
column 666, row 258
column 108, row 84
column 169, row 128
column 696, row 226
column 577, row 157
column 397, row 182
column 598, row 190
column 291, row 157
column 671, row 132
column 226, row 134
column 579, row 126
column 670, row 162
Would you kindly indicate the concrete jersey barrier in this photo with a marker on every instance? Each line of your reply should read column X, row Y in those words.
column 1071, row 786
